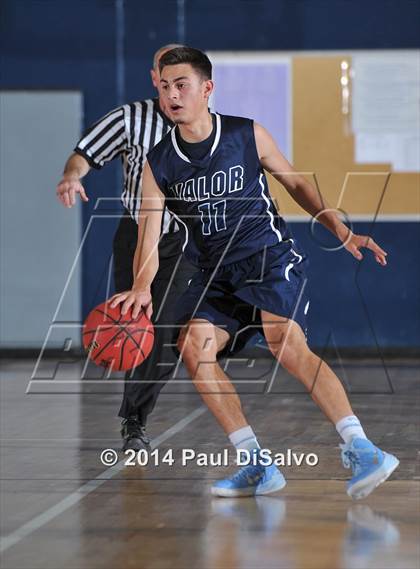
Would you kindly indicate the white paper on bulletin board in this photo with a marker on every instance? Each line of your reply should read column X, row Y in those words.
column 386, row 111
column 256, row 86
column 399, row 149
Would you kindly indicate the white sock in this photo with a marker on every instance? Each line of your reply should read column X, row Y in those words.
column 244, row 439
column 349, row 427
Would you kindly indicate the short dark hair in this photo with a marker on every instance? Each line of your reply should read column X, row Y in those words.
column 196, row 58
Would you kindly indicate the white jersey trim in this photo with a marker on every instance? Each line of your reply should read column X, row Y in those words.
column 177, row 148
column 218, row 133
column 267, row 201
column 213, row 148
column 184, row 224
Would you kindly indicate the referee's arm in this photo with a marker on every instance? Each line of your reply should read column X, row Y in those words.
column 100, row 143
column 76, row 168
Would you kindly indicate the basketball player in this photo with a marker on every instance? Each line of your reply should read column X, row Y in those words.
column 209, row 172
column 129, row 132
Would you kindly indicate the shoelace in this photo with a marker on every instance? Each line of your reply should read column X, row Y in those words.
column 143, row 434
column 134, row 429
column 247, row 472
column 350, row 460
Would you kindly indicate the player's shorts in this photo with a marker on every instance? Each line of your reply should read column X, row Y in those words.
column 232, row 296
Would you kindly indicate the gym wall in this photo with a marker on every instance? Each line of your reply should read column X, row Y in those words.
column 104, row 48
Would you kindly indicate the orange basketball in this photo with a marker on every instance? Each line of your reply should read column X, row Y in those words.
column 115, row 341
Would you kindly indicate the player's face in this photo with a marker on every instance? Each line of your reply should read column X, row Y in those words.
column 185, row 92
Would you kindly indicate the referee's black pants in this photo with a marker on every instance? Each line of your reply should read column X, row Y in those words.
column 141, row 388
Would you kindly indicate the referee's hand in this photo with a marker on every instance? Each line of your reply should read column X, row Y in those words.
column 68, row 188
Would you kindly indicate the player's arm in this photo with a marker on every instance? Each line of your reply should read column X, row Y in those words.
column 308, row 197
column 146, row 258
column 75, row 169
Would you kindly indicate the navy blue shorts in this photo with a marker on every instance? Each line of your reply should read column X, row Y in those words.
column 232, row 296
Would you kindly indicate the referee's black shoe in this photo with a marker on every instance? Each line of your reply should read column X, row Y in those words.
column 134, row 435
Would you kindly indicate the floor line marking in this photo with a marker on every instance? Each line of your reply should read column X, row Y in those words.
column 78, row 495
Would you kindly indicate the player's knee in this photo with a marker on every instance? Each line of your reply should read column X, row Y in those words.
column 197, row 341
column 289, row 354
column 290, row 349
column 290, row 359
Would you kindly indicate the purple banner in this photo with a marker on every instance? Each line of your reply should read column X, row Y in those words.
column 260, row 91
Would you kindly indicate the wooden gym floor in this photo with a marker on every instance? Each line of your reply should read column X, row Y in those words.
column 61, row 507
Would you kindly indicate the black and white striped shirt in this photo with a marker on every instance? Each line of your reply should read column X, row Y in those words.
column 129, row 131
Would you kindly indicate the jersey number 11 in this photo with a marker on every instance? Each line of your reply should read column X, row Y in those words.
column 213, row 215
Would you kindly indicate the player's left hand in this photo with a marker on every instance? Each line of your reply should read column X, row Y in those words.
column 356, row 242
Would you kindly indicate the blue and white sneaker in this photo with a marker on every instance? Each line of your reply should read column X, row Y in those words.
column 250, row 481
column 370, row 466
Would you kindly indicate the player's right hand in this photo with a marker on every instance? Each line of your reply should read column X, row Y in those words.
column 67, row 190
column 135, row 299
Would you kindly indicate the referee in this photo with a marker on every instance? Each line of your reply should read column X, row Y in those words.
column 129, row 132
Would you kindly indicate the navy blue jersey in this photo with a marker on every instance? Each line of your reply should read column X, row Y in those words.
column 222, row 199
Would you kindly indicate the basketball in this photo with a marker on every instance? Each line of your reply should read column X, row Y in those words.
column 115, row 341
